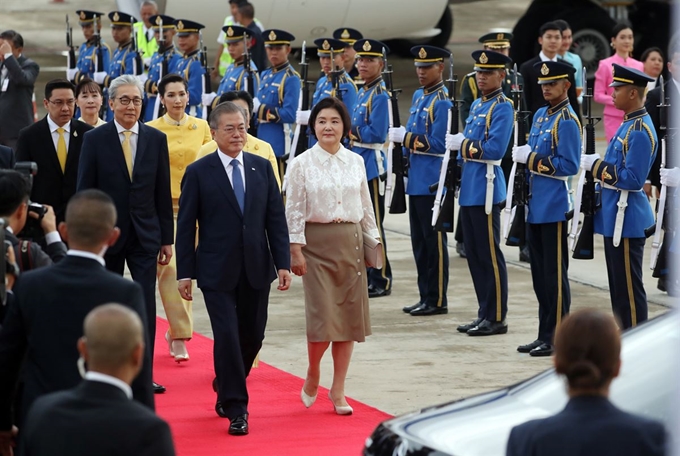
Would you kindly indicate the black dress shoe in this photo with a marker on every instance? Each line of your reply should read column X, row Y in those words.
column 408, row 309
column 425, row 310
column 542, row 350
column 158, row 389
column 528, row 347
column 239, row 425
column 524, row 256
column 219, row 410
column 661, row 284
column 466, row 327
column 489, row 328
column 375, row 292
column 460, row 249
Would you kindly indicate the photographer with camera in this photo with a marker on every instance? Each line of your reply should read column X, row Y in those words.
column 14, row 209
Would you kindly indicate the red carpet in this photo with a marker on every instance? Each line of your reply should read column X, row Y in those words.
column 279, row 423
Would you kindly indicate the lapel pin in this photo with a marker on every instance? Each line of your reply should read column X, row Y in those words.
column 253, row 169
column 75, row 133
column 193, row 126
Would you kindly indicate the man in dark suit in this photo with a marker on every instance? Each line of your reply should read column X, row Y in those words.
column 43, row 326
column 98, row 416
column 130, row 162
column 242, row 243
column 6, row 157
column 550, row 39
column 54, row 145
column 17, row 80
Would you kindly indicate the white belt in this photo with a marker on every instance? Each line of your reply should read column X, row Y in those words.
column 367, row 146
column 621, row 213
column 378, row 158
column 562, row 178
column 490, row 176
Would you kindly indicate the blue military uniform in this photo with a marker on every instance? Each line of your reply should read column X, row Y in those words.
column 370, row 120
column 88, row 51
column 325, row 85
column 487, row 133
column 278, row 95
column 350, row 36
column 235, row 74
column 191, row 68
column 555, row 141
column 622, row 173
column 424, row 144
column 163, row 62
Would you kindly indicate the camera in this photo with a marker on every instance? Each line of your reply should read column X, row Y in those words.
column 32, row 231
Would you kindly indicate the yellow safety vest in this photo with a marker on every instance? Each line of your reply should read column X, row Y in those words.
column 146, row 48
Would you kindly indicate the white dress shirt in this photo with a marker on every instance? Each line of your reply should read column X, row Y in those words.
column 226, row 162
column 133, row 137
column 103, row 378
column 55, row 133
column 544, row 58
column 84, row 254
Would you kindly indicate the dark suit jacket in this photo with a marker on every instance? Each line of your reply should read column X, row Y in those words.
column 46, row 322
column 652, row 103
column 94, row 418
column 6, row 157
column 533, row 95
column 50, row 185
column 16, row 105
column 143, row 204
column 229, row 242
column 38, row 258
column 588, row 426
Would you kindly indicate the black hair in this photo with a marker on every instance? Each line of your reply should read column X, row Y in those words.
column 549, row 26
column 247, row 10
column 562, row 24
column 331, row 103
column 16, row 39
column 15, row 189
column 168, row 79
column 89, row 86
column 237, row 95
column 55, row 84
column 648, row 52
column 619, row 27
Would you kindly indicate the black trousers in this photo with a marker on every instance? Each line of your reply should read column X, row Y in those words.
column 379, row 278
column 485, row 260
column 238, row 319
column 549, row 264
column 142, row 265
column 282, row 168
column 430, row 252
column 624, row 270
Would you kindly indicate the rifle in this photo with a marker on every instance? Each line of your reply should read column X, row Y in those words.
column 99, row 61
column 164, row 65
column 661, row 208
column 335, row 77
column 518, row 187
column 449, row 175
column 586, row 199
column 300, row 139
column 205, row 82
column 397, row 164
column 137, row 63
column 69, row 42
column 250, row 84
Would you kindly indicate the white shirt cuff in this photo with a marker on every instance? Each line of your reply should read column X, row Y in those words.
column 51, row 238
column 184, row 279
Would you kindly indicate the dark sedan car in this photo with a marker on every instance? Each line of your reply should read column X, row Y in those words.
column 480, row 425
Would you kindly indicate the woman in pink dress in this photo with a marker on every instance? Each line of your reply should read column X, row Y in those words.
column 622, row 43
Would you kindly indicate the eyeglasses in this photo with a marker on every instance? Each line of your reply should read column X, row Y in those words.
column 61, row 103
column 126, row 101
column 231, row 130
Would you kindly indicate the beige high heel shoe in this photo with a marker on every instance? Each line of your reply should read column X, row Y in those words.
column 340, row 409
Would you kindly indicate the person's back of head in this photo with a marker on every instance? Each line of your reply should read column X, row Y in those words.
column 113, row 341
column 90, row 222
column 246, row 13
column 15, row 190
column 587, row 351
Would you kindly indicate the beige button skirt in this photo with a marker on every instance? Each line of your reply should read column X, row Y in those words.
column 336, row 287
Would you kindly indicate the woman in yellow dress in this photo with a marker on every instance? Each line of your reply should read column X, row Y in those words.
column 186, row 134
column 89, row 99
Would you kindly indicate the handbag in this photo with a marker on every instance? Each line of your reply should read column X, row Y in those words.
column 373, row 252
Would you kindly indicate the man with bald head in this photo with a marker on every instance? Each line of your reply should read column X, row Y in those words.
column 99, row 414
column 44, row 324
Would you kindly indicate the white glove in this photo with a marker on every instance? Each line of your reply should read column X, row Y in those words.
column 207, row 98
column 302, row 117
column 520, row 154
column 670, row 177
column 71, row 73
column 453, row 142
column 588, row 160
column 100, row 76
column 146, row 61
column 396, row 134
column 143, row 77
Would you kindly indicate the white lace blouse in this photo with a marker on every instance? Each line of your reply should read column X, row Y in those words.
column 327, row 188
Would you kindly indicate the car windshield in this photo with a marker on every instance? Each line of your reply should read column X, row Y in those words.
column 649, row 373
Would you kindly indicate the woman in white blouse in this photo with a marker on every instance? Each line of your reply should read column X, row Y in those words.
column 328, row 209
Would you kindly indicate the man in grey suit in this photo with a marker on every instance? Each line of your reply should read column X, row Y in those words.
column 17, row 79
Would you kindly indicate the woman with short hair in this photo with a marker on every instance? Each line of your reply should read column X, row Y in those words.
column 89, row 99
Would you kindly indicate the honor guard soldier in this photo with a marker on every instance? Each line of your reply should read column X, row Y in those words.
column 423, row 140
column 123, row 59
column 370, row 120
column 552, row 154
column 481, row 146
column 349, row 36
column 235, row 76
column 92, row 49
column 189, row 67
column 277, row 99
column 326, row 85
column 625, row 211
column 163, row 62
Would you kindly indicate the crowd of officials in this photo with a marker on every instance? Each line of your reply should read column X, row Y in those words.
column 140, row 164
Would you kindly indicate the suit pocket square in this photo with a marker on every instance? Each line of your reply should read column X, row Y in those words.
column 373, row 252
